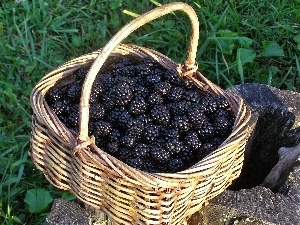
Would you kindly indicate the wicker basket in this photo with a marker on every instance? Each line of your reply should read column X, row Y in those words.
column 128, row 196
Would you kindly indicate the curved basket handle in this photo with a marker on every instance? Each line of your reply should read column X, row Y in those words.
column 189, row 64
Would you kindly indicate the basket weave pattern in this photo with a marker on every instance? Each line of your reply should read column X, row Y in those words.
column 128, row 196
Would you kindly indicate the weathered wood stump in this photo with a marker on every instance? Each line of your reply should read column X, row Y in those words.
column 268, row 189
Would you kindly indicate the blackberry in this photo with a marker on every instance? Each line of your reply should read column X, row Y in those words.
column 159, row 154
column 142, row 71
column 120, row 117
column 145, row 119
column 107, row 81
column 149, row 62
column 222, row 126
column 124, row 120
column 187, row 155
column 176, row 165
column 97, row 90
column 209, row 104
column 188, row 84
column 74, row 92
column 155, row 99
column 127, row 141
column 206, row 149
column 179, row 108
column 216, row 142
column 121, row 94
column 80, row 74
column 136, row 163
column 146, row 116
column 54, row 95
column 74, row 108
column 162, row 88
column 151, row 80
column 127, row 71
column 137, row 106
column 168, row 133
column 171, row 76
column 123, row 80
column 124, row 61
column 222, row 113
column 196, row 118
column 141, row 150
column 160, row 114
column 191, row 97
column 150, row 167
column 61, row 107
column 207, row 131
column 124, row 154
column 107, row 101
column 192, row 141
column 114, row 136
column 151, row 133
column 140, row 91
column 181, row 123
column 173, row 146
column 97, row 111
column 136, row 128
column 112, row 148
column 91, row 128
column 175, row 94
column 115, row 115
column 102, row 128
column 73, row 121
column 222, row 102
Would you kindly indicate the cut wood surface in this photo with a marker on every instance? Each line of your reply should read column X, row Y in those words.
column 280, row 172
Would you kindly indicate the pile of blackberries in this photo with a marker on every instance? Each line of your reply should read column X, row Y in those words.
column 146, row 115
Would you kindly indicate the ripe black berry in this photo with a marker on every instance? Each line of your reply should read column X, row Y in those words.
column 61, row 107
column 159, row 154
column 192, row 141
column 153, row 79
column 137, row 106
column 97, row 111
column 162, row 88
column 160, row 114
column 181, row 123
column 102, row 128
column 53, row 95
column 175, row 165
column 151, row 132
column 168, row 133
column 187, row 155
column 155, row 99
column 141, row 150
column 207, row 131
column 80, row 74
column 121, row 94
column 136, row 163
column 127, row 141
column 175, row 94
column 196, row 118
column 173, row 146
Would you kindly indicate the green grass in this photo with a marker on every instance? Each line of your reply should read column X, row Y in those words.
column 240, row 42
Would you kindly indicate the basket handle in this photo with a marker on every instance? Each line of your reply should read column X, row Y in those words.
column 188, row 66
